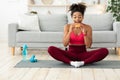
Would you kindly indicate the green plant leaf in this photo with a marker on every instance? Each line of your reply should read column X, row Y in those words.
column 114, row 15
column 114, row 7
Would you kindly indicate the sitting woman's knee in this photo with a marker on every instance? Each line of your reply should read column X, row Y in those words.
column 105, row 51
column 51, row 48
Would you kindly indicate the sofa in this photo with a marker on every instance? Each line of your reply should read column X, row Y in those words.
column 49, row 31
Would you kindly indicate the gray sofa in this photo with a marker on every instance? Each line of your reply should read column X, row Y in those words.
column 106, row 33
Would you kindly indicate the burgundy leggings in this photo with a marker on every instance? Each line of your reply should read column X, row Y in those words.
column 77, row 53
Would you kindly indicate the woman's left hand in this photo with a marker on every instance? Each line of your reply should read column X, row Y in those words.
column 83, row 29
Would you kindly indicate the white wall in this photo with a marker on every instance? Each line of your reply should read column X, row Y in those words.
column 9, row 11
column 3, row 20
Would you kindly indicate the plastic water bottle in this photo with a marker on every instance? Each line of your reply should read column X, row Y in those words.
column 24, row 52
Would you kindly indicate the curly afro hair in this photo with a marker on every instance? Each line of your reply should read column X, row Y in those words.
column 80, row 7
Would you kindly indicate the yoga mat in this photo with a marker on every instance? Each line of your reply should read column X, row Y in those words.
column 57, row 64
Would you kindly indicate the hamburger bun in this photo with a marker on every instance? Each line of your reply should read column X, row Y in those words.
column 77, row 25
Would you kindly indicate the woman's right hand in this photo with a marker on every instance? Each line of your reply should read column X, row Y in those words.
column 71, row 28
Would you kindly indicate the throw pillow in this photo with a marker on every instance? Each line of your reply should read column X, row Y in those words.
column 53, row 22
column 29, row 22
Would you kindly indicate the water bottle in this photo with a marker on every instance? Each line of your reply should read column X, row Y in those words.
column 24, row 52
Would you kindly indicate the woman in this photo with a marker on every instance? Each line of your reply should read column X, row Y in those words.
column 78, row 36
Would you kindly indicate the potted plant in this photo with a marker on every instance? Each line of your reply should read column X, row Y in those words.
column 114, row 8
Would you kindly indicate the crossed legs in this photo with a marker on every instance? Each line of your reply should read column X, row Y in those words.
column 87, row 56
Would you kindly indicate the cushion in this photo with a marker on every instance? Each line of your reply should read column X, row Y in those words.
column 29, row 22
column 104, row 36
column 34, row 36
column 69, row 18
column 98, row 22
column 54, row 22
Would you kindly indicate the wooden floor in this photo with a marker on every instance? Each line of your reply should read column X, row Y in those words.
column 8, row 72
